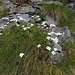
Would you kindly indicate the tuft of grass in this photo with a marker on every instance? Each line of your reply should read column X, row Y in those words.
column 1, row 3
column 34, row 61
column 67, row 67
column 66, row 16
column 3, row 11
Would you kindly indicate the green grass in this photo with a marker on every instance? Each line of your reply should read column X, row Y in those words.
column 35, row 61
column 67, row 67
column 1, row 3
column 16, row 41
column 3, row 11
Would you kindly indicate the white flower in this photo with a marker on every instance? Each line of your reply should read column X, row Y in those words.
column 43, row 23
column 1, row 33
column 23, row 25
column 17, row 24
column 31, row 25
column 52, row 25
column 21, row 55
column 39, row 19
column 28, row 27
column 5, row 18
column 48, row 48
column 25, row 28
column 55, row 49
column 47, row 28
column 7, row 22
column 58, row 34
column 37, row 16
column 32, row 16
column 39, row 45
column 53, row 52
column 18, row 14
column 13, row 20
column 48, row 37
column 56, row 40
column 5, row 25
column 51, row 33
column 2, row 27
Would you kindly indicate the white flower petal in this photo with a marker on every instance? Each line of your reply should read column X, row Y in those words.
column 23, row 25
column 1, row 33
column 48, row 37
column 31, row 25
column 21, row 55
column 48, row 48
column 53, row 52
column 55, row 49
column 39, row 45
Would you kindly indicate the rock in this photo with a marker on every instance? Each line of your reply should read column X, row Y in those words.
column 65, row 33
column 35, row 18
column 6, row 2
column 56, row 58
column 4, row 21
column 58, row 47
column 34, row 1
column 24, row 17
column 12, row 11
column 12, row 8
column 73, row 33
column 70, row 5
column 26, row 10
column 54, row 2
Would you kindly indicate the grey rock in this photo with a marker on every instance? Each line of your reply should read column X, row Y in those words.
column 26, row 10
column 4, row 21
column 73, row 33
column 25, row 17
column 5, row 1
column 54, row 2
column 57, row 57
column 70, row 5
column 58, row 47
column 36, row 1
column 67, row 31
column 66, row 34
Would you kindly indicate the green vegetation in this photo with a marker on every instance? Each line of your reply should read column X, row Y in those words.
column 67, row 67
column 66, row 16
column 1, row 3
column 34, row 62
column 3, row 10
